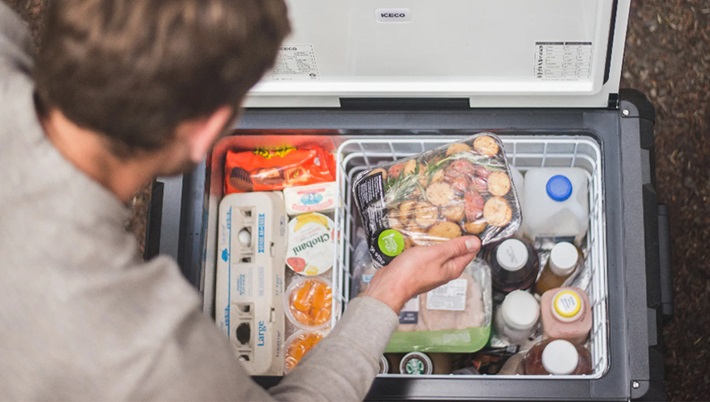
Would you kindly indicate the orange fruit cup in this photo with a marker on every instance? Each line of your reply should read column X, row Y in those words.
column 298, row 345
column 309, row 302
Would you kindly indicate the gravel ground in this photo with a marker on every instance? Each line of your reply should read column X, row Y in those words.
column 668, row 59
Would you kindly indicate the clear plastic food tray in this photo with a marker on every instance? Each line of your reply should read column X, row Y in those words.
column 524, row 152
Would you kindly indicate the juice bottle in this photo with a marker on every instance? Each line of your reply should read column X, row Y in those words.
column 557, row 357
column 517, row 317
column 566, row 314
column 564, row 259
column 514, row 265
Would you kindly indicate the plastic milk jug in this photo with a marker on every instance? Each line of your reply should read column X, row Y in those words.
column 556, row 205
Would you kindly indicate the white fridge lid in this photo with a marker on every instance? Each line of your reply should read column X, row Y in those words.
column 495, row 53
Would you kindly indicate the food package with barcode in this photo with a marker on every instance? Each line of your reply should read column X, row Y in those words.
column 453, row 318
column 461, row 188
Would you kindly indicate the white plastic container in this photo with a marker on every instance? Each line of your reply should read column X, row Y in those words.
column 318, row 197
column 517, row 317
column 556, row 205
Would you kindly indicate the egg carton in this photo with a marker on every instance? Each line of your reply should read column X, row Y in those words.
column 251, row 246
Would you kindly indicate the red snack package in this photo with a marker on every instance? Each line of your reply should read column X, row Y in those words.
column 274, row 169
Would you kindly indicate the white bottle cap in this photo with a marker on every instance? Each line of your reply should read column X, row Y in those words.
column 563, row 258
column 560, row 357
column 520, row 310
column 512, row 254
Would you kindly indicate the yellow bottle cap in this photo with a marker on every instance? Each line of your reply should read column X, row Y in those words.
column 566, row 305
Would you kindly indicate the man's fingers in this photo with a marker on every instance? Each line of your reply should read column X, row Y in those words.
column 459, row 247
column 456, row 265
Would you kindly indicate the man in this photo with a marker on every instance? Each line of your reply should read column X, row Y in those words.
column 124, row 91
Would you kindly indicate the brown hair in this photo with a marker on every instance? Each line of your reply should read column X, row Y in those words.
column 132, row 70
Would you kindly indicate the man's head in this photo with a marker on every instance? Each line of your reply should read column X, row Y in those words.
column 134, row 70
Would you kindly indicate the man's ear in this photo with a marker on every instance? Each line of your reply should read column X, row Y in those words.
column 206, row 131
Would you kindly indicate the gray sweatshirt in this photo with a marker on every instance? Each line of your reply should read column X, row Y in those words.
column 83, row 317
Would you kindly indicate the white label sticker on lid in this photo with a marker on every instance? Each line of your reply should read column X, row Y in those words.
column 563, row 60
column 295, row 62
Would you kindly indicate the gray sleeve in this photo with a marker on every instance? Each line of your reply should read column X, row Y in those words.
column 15, row 41
column 197, row 363
column 344, row 364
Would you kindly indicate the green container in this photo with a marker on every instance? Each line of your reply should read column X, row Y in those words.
column 462, row 340
column 446, row 341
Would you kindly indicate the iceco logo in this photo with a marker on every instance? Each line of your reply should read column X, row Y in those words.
column 393, row 15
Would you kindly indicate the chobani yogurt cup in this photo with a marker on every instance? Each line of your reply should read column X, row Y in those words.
column 311, row 241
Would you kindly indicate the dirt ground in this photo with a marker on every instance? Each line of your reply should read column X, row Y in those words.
column 667, row 58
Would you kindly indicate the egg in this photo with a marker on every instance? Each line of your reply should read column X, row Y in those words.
column 244, row 237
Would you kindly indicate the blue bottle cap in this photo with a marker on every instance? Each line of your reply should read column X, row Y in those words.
column 559, row 188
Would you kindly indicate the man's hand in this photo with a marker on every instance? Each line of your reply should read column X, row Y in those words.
column 420, row 269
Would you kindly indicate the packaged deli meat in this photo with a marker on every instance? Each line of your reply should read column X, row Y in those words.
column 453, row 318
column 464, row 187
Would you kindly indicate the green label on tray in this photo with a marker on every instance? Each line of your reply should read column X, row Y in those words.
column 390, row 242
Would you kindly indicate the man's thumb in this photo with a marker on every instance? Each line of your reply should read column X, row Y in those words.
column 462, row 246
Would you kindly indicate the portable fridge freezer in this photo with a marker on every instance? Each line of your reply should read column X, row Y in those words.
column 375, row 81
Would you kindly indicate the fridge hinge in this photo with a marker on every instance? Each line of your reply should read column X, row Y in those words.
column 613, row 102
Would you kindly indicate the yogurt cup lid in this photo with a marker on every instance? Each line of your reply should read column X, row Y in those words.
column 311, row 240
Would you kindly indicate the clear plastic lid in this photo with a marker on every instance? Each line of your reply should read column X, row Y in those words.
column 560, row 357
column 298, row 345
column 512, row 254
column 563, row 258
column 520, row 310
column 309, row 302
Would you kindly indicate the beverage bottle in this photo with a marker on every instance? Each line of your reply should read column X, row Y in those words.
column 566, row 314
column 556, row 205
column 564, row 259
column 517, row 317
column 514, row 265
column 557, row 357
